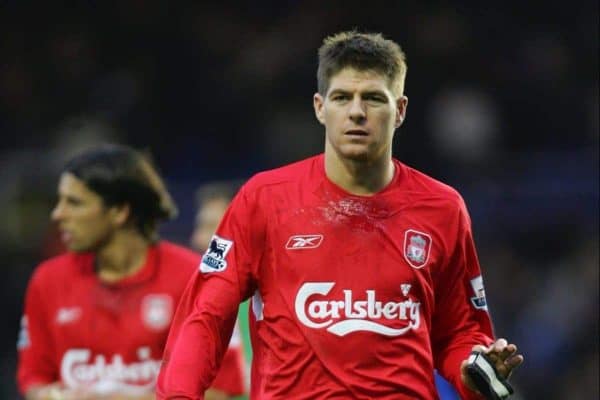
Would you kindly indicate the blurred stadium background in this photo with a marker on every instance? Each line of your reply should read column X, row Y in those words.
column 503, row 106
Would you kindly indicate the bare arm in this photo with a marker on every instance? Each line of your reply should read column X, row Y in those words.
column 39, row 392
column 56, row 391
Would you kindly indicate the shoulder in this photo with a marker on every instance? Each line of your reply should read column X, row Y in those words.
column 290, row 173
column 58, row 269
column 63, row 263
column 421, row 183
column 177, row 254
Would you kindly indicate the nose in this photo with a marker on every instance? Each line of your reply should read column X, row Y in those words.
column 357, row 112
column 57, row 212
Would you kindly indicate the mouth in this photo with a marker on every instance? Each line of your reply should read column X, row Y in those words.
column 356, row 132
column 66, row 236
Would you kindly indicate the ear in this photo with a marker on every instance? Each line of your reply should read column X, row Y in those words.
column 401, row 105
column 318, row 103
column 119, row 214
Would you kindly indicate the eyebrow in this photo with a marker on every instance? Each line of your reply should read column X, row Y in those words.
column 339, row 91
column 365, row 93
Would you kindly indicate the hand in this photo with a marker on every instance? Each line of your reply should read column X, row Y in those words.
column 55, row 391
column 502, row 354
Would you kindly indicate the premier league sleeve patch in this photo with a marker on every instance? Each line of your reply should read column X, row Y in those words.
column 478, row 301
column 214, row 260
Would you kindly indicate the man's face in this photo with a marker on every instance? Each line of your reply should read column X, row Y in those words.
column 360, row 114
column 83, row 220
column 208, row 218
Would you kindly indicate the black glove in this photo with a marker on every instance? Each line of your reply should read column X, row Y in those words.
column 485, row 377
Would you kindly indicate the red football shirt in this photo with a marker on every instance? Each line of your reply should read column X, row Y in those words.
column 106, row 337
column 354, row 297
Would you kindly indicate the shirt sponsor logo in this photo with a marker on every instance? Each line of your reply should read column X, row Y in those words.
column 478, row 301
column 66, row 315
column 347, row 315
column 214, row 258
column 417, row 246
column 157, row 310
column 299, row 242
column 100, row 376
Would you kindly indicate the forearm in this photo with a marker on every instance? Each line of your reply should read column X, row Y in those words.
column 56, row 391
column 44, row 392
column 449, row 361
column 197, row 342
column 190, row 361
column 36, row 393
column 146, row 396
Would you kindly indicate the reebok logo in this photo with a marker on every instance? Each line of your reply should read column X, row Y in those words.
column 299, row 242
column 67, row 315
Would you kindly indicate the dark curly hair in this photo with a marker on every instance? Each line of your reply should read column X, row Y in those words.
column 121, row 175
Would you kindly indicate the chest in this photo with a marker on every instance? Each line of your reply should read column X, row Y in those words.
column 110, row 320
column 356, row 247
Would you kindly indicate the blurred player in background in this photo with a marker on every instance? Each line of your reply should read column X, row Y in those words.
column 363, row 270
column 97, row 317
column 212, row 200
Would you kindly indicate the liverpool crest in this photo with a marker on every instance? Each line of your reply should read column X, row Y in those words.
column 417, row 246
column 157, row 310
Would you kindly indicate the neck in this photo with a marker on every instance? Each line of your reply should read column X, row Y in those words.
column 122, row 256
column 359, row 177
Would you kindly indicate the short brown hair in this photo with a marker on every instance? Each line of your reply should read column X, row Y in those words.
column 364, row 52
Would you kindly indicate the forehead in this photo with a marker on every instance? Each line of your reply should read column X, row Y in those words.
column 353, row 79
column 70, row 185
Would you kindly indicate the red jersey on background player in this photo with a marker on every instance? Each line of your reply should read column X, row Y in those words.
column 364, row 273
column 96, row 319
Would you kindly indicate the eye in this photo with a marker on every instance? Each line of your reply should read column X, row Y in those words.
column 340, row 97
column 376, row 98
column 73, row 201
